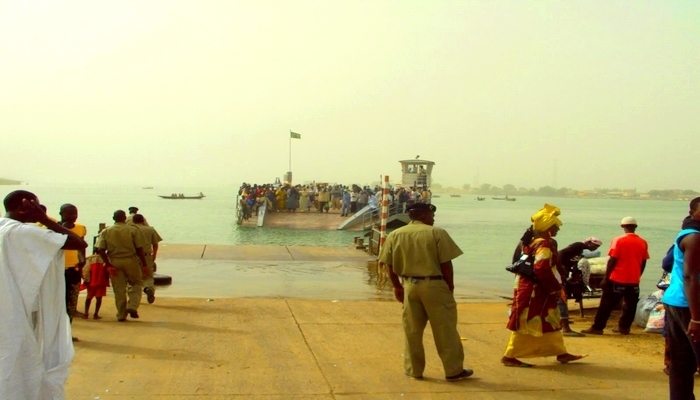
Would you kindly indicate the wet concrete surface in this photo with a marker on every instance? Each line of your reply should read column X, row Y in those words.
column 258, row 348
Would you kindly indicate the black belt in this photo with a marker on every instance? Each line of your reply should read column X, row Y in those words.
column 429, row 278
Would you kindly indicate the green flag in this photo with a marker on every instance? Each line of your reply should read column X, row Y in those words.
column 294, row 135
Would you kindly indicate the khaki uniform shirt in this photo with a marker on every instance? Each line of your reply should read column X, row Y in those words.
column 151, row 236
column 121, row 240
column 418, row 249
column 130, row 217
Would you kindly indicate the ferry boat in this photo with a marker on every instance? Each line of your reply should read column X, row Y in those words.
column 415, row 173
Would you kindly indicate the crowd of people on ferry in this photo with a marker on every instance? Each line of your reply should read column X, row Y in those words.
column 323, row 197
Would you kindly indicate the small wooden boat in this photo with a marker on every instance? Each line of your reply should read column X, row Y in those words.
column 480, row 198
column 147, row 187
column 182, row 197
column 504, row 198
column 455, row 195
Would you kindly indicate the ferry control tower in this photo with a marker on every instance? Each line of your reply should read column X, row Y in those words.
column 416, row 173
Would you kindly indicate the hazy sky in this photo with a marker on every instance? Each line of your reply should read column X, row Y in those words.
column 167, row 92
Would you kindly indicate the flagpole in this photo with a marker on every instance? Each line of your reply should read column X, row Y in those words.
column 290, row 150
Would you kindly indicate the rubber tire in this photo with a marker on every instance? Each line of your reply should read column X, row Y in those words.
column 162, row 280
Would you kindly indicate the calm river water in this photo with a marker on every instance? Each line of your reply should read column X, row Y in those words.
column 487, row 232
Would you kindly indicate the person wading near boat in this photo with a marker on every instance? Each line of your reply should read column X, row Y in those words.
column 121, row 248
column 682, row 303
column 133, row 211
column 35, row 341
column 628, row 258
column 74, row 260
column 419, row 260
column 150, row 251
column 534, row 321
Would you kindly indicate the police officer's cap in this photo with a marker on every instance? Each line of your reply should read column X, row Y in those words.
column 421, row 207
column 133, row 208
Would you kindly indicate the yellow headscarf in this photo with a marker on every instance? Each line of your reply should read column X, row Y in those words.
column 545, row 218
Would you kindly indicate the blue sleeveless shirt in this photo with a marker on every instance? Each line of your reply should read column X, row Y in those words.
column 675, row 294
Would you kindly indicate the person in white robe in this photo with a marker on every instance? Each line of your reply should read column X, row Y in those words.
column 36, row 348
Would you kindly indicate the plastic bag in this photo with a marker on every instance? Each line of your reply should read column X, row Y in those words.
column 655, row 324
column 644, row 308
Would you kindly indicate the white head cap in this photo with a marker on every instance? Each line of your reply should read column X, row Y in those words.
column 628, row 221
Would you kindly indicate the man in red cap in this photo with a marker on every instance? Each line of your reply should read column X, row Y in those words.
column 628, row 258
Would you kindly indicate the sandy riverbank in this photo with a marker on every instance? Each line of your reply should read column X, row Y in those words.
column 312, row 349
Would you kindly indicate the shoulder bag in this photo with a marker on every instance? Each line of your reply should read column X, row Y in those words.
column 524, row 266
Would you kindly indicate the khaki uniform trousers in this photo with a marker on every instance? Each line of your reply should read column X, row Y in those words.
column 128, row 276
column 431, row 300
column 148, row 280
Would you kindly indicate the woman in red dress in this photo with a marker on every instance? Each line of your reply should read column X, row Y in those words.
column 535, row 323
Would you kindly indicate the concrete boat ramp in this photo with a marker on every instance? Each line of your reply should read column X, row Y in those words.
column 332, row 220
column 214, row 252
column 258, row 342
column 298, row 349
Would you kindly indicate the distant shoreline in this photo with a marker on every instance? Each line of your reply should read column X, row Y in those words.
column 592, row 197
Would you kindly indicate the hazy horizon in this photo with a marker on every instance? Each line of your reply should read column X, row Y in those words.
column 166, row 93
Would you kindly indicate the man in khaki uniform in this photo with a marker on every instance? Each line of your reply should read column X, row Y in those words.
column 121, row 248
column 420, row 256
column 133, row 211
column 150, row 251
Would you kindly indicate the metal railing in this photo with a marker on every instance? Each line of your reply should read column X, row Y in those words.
column 239, row 213
column 368, row 219
column 372, row 218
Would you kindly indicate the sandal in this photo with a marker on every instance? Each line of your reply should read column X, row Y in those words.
column 514, row 362
column 573, row 334
column 567, row 358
